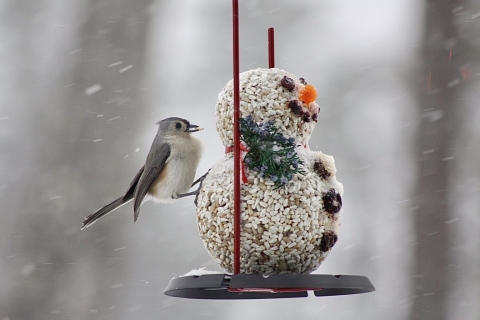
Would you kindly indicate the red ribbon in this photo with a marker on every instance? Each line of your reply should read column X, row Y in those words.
column 243, row 148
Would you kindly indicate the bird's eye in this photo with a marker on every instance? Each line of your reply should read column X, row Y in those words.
column 178, row 125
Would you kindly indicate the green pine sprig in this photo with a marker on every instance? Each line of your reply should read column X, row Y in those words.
column 270, row 154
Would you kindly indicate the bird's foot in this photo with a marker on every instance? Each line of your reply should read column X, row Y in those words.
column 196, row 192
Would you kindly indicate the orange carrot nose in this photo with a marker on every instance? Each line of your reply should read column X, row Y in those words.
column 308, row 94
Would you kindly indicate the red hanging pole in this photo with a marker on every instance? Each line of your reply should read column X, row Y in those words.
column 271, row 48
column 236, row 140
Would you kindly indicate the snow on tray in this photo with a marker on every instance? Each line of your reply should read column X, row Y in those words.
column 200, row 272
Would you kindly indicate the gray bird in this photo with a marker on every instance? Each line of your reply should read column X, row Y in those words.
column 168, row 172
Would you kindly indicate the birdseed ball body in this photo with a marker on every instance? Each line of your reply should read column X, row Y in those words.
column 283, row 230
column 270, row 95
column 290, row 201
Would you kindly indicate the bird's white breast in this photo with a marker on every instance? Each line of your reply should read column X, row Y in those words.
column 179, row 172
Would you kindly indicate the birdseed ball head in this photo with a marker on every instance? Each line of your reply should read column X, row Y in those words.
column 270, row 95
column 290, row 229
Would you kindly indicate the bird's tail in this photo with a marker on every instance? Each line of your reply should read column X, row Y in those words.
column 91, row 219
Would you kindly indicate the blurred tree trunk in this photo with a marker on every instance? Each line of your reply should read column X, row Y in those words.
column 77, row 58
column 443, row 74
column 108, row 83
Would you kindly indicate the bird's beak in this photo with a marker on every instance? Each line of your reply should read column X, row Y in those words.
column 193, row 128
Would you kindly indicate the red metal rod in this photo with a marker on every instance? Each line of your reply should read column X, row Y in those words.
column 236, row 140
column 271, row 48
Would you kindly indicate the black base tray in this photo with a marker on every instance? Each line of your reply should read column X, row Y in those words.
column 257, row 286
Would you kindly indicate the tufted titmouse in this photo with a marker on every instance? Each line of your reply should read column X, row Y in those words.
column 168, row 172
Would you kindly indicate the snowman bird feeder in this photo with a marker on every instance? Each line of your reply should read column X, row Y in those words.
column 269, row 211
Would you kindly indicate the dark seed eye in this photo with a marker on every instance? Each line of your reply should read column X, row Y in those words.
column 287, row 83
column 302, row 80
column 178, row 125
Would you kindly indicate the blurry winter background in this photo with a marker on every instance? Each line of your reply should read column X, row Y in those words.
column 82, row 84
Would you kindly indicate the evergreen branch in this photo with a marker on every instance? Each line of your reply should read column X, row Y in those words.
column 270, row 154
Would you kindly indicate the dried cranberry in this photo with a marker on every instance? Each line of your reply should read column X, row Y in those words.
column 287, row 83
column 328, row 241
column 306, row 117
column 320, row 169
column 295, row 107
column 332, row 201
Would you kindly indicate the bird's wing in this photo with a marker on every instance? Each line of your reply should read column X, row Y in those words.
column 156, row 160
column 131, row 189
